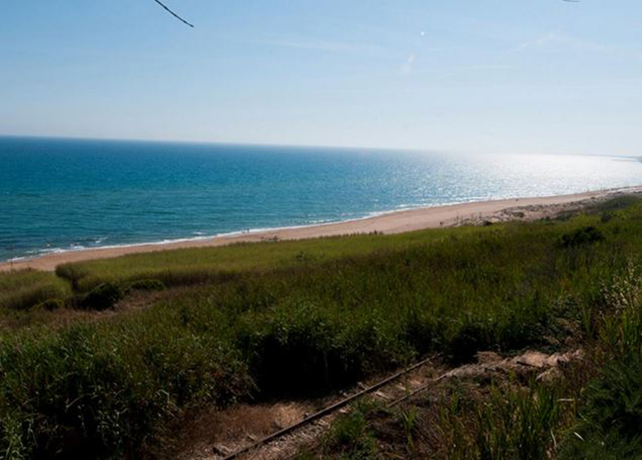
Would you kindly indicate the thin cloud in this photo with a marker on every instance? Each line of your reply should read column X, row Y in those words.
column 538, row 42
column 558, row 39
column 406, row 68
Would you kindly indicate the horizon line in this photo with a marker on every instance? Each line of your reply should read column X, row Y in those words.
column 302, row 146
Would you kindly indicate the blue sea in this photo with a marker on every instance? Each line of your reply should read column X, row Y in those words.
column 61, row 195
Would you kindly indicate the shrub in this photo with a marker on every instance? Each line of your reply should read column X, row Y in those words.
column 103, row 297
column 581, row 237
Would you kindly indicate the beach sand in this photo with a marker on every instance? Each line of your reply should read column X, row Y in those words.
column 393, row 222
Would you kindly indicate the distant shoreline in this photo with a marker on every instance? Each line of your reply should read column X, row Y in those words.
column 389, row 223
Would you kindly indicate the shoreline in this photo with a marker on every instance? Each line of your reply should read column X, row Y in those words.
column 387, row 222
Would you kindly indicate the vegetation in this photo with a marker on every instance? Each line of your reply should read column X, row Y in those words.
column 20, row 290
column 196, row 266
column 102, row 297
column 305, row 317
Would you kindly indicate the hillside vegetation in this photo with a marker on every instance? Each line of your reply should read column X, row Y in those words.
column 84, row 373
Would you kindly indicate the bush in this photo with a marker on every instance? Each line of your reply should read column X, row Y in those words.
column 103, row 297
column 581, row 237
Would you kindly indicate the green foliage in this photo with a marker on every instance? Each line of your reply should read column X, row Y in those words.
column 282, row 318
column 621, row 328
column 103, row 297
column 511, row 424
column 51, row 304
column 101, row 391
column 581, row 236
column 408, row 419
column 194, row 266
column 20, row 290
column 351, row 438
column 147, row 285
column 616, row 204
column 611, row 417
column 518, row 426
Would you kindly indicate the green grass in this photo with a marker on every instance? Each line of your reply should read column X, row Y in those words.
column 351, row 437
column 193, row 266
column 517, row 424
column 611, row 416
column 297, row 318
column 22, row 289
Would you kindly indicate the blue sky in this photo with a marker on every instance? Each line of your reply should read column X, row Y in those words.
column 541, row 76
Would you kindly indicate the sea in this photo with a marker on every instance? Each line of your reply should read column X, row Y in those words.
column 64, row 195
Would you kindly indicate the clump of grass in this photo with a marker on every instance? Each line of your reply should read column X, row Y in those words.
column 52, row 304
column 20, row 290
column 517, row 425
column 351, row 437
column 510, row 422
column 408, row 418
column 146, row 285
column 611, row 417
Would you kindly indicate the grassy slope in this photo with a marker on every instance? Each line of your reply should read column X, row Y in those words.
column 306, row 315
column 191, row 266
column 23, row 289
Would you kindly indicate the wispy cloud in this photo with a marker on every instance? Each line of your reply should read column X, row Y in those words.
column 557, row 39
column 406, row 68
column 537, row 42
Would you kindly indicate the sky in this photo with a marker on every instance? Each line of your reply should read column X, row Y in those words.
column 519, row 76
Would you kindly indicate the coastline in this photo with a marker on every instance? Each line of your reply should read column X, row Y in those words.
column 389, row 223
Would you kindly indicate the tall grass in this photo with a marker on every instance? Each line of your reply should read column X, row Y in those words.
column 348, row 308
column 610, row 422
column 25, row 288
column 101, row 391
column 511, row 423
column 194, row 266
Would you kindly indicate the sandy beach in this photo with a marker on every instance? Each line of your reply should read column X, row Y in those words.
column 393, row 222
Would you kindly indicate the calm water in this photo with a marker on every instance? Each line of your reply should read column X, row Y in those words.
column 58, row 195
